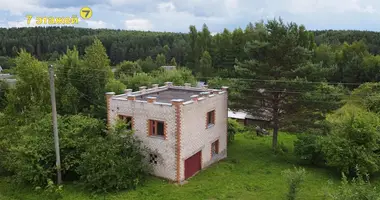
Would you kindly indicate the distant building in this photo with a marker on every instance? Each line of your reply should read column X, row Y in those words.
column 169, row 67
column 1, row 69
column 200, row 84
column 8, row 78
column 244, row 118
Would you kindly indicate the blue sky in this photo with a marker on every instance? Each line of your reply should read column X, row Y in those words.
column 177, row 15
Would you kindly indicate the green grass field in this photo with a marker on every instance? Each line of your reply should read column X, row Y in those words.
column 251, row 171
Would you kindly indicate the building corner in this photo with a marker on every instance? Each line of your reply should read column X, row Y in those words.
column 178, row 103
column 109, row 96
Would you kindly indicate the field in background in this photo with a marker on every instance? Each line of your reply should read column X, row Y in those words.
column 251, row 171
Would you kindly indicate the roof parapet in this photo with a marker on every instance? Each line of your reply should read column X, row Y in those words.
column 128, row 91
column 169, row 84
column 142, row 89
column 155, row 86
column 131, row 97
column 151, row 99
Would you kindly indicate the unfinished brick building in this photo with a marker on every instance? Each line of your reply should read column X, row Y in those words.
column 184, row 126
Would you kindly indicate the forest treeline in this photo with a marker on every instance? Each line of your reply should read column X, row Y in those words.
column 353, row 53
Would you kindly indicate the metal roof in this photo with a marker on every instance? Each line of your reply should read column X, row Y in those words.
column 236, row 115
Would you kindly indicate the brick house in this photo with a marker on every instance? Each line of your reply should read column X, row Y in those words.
column 185, row 127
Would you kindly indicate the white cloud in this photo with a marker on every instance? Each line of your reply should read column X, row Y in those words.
column 130, row 2
column 23, row 7
column 177, row 15
column 322, row 6
column 167, row 17
column 19, row 7
column 96, row 24
column 23, row 23
column 138, row 24
column 166, row 7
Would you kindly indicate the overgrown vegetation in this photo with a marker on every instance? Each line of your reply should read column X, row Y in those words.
column 357, row 188
column 294, row 179
column 252, row 171
column 233, row 128
column 114, row 162
column 326, row 91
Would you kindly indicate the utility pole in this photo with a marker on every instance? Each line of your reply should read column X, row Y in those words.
column 55, row 125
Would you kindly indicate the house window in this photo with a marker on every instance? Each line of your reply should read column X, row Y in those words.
column 210, row 118
column 215, row 148
column 153, row 158
column 127, row 120
column 156, row 128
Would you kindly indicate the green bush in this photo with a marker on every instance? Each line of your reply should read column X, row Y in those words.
column 113, row 163
column 354, row 141
column 294, row 179
column 127, row 68
column 31, row 157
column 281, row 149
column 51, row 191
column 234, row 127
column 357, row 189
column 308, row 148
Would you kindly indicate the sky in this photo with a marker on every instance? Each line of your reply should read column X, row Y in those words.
column 178, row 15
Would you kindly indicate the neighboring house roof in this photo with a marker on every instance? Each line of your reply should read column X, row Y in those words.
column 8, row 78
column 265, row 115
column 11, row 82
column 5, row 76
column 236, row 115
column 168, row 67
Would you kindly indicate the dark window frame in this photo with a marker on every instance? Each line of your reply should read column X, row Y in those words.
column 210, row 118
column 214, row 145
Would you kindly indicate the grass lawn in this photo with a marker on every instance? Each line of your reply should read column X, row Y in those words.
column 251, row 171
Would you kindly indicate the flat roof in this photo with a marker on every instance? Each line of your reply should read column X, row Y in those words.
column 167, row 95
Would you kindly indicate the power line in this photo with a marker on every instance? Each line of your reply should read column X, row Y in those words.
column 258, row 80
column 366, row 95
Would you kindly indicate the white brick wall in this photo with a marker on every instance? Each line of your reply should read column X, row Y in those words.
column 196, row 137
column 141, row 112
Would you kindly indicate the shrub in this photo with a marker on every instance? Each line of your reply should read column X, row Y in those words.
column 128, row 68
column 308, row 148
column 31, row 157
column 52, row 191
column 233, row 128
column 113, row 163
column 354, row 141
column 357, row 188
column 281, row 149
column 294, row 179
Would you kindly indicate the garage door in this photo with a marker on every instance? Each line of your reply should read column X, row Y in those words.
column 192, row 165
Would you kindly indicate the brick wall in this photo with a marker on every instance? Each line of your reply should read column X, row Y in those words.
column 141, row 112
column 196, row 137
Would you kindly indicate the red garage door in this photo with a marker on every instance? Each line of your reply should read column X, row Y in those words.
column 192, row 165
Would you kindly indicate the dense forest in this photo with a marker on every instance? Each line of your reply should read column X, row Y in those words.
column 309, row 82
column 358, row 48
